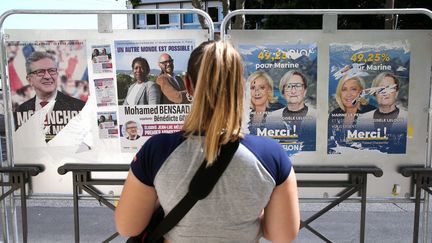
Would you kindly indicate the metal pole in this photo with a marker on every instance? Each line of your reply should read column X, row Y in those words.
column 8, row 130
column 3, row 202
column 4, row 217
column 75, row 205
column 389, row 19
column 23, row 207
column 363, row 191
column 418, row 189
column 425, row 218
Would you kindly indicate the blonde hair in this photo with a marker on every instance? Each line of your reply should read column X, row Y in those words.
column 269, row 80
column 360, row 82
column 217, row 108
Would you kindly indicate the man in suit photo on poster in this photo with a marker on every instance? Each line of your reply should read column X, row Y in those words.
column 42, row 75
column 172, row 86
column 131, row 129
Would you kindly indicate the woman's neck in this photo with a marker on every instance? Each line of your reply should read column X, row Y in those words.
column 261, row 108
column 351, row 110
column 141, row 81
column 296, row 107
column 387, row 108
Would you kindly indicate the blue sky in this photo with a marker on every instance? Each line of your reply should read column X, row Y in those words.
column 60, row 21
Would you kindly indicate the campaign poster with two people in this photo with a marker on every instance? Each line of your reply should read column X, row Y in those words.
column 368, row 97
column 152, row 97
column 281, row 90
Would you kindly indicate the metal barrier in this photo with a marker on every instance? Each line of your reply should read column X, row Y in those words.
column 421, row 178
column 83, row 181
column 18, row 177
column 356, row 183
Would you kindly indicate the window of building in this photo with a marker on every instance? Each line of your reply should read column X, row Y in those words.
column 174, row 19
column 151, row 19
column 163, row 19
column 145, row 21
column 188, row 18
column 214, row 13
column 140, row 19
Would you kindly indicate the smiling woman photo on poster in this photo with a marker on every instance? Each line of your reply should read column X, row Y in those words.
column 351, row 105
column 262, row 97
column 143, row 91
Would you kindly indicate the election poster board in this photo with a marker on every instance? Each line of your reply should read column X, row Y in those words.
column 49, row 88
column 151, row 101
column 100, row 144
column 281, row 91
column 95, row 133
column 368, row 97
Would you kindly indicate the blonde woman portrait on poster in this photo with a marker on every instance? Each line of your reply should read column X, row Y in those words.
column 350, row 103
column 262, row 97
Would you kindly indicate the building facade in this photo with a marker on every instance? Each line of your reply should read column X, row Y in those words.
column 172, row 21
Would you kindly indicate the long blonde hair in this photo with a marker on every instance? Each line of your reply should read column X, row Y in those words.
column 216, row 73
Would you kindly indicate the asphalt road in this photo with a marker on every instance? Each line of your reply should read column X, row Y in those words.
column 53, row 222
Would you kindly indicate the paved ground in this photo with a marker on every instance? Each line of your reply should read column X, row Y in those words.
column 53, row 222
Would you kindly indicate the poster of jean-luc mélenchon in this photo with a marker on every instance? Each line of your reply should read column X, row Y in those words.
column 152, row 97
column 368, row 97
column 49, row 88
column 281, row 90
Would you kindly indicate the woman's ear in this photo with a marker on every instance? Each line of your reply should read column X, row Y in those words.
column 188, row 84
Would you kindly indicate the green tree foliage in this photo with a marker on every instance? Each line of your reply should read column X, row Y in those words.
column 414, row 21
column 123, row 83
column 344, row 21
column 135, row 2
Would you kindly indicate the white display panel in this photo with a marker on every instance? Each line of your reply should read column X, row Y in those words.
column 420, row 50
column 82, row 138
